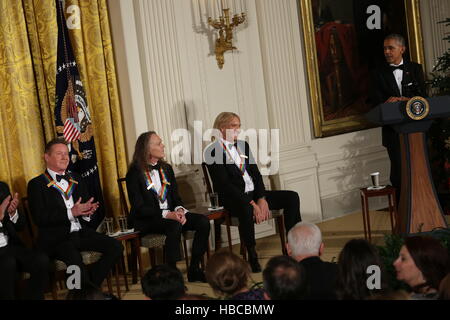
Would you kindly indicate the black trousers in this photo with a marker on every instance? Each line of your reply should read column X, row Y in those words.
column 88, row 240
column 287, row 200
column 173, row 229
column 14, row 259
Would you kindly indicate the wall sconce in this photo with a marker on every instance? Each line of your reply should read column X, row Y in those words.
column 225, row 23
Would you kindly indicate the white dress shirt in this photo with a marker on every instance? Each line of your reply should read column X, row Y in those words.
column 64, row 184
column 4, row 237
column 236, row 157
column 398, row 75
column 164, row 206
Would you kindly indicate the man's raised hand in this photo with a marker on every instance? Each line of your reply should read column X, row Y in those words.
column 3, row 206
column 13, row 204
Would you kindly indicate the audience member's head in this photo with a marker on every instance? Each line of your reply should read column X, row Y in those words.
column 284, row 279
column 88, row 292
column 163, row 282
column 353, row 273
column 227, row 273
column 192, row 296
column 444, row 288
column 422, row 264
column 304, row 240
column 391, row 295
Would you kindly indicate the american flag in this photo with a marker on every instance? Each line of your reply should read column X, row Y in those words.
column 71, row 130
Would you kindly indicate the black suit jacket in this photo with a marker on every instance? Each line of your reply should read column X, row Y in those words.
column 383, row 86
column 49, row 211
column 227, row 177
column 321, row 278
column 11, row 228
column 144, row 203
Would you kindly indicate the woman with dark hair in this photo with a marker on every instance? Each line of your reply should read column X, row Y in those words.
column 353, row 270
column 156, row 206
column 444, row 288
column 422, row 264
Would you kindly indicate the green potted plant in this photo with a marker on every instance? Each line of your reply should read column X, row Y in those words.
column 439, row 133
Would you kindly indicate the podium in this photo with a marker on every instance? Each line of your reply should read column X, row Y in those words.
column 419, row 209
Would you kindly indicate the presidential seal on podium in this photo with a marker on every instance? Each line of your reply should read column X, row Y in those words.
column 417, row 108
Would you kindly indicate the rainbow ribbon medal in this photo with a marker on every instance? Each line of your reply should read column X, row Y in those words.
column 164, row 185
column 52, row 183
column 242, row 166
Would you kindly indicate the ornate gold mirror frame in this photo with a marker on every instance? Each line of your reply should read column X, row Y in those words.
column 322, row 127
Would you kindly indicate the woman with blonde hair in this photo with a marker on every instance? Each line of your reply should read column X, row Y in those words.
column 229, row 275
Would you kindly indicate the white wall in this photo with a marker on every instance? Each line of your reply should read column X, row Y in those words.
column 433, row 11
column 168, row 78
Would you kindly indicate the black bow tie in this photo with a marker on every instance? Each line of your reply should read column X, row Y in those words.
column 393, row 68
column 64, row 176
column 154, row 167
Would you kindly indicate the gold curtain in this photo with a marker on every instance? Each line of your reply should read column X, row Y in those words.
column 28, row 44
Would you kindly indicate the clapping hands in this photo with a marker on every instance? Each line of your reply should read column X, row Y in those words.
column 9, row 205
column 84, row 209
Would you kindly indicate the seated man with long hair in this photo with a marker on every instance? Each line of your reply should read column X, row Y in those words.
column 156, row 206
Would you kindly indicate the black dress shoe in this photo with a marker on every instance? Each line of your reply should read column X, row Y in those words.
column 196, row 275
column 254, row 264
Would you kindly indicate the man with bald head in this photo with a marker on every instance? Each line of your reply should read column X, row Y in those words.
column 305, row 246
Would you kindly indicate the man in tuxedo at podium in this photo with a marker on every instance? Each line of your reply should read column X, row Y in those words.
column 395, row 80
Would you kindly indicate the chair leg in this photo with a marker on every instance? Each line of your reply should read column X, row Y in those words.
column 132, row 265
column 392, row 212
column 151, row 252
column 228, row 223
column 363, row 206
column 217, row 235
column 164, row 254
column 280, row 221
column 108, row 281
column 137, row 249
column 125, row 278
column 54, row 288
column 116, row 268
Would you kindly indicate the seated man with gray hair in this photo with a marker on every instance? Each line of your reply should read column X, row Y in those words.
column 305, row 246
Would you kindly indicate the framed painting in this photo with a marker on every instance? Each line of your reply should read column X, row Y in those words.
column 343, row 42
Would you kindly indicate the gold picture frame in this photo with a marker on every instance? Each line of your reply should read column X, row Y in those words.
column 323, row 124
